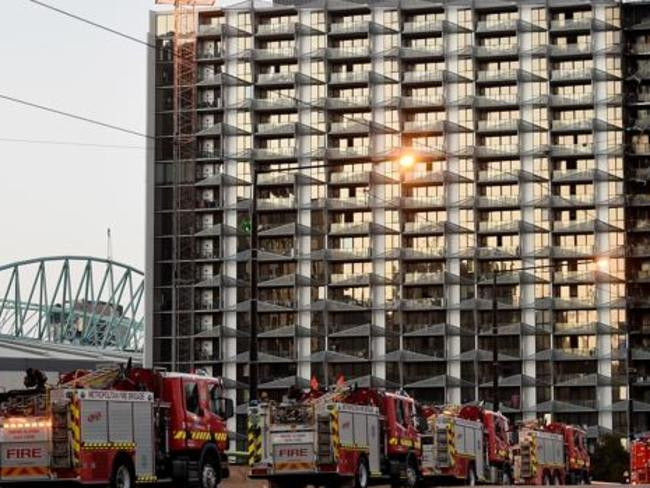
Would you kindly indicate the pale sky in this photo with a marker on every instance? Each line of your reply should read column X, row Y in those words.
column 60, row 199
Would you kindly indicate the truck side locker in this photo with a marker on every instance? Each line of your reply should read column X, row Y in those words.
column 61, row 435
column 324, row 436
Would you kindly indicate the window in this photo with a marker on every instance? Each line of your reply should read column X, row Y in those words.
column 192, row 398
column 399, row 412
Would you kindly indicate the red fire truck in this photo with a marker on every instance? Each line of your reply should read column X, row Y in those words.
column 354, row 437
column 117, row 426
column 640, row 460
column 468, row 444
column 551, row 454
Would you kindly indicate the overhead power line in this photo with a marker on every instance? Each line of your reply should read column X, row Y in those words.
column 70, row 143
column 94, row 24
column 74, row 116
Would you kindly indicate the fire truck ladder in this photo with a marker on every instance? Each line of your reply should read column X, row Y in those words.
column 184, row 172
column 99, row 379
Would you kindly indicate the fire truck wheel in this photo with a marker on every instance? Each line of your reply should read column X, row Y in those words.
column 471, row 476
column 210, row 473
column 362, row 476
column 122, row 476
column 412, row 476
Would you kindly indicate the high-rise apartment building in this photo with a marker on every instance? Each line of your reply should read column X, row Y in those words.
column 529, row 126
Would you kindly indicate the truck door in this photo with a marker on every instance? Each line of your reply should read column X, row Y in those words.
column 195, row 414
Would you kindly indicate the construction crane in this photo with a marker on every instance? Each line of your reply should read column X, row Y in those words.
column 184, row 167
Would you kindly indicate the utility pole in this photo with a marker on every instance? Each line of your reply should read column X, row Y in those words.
column 253, row 371
column 495, row 351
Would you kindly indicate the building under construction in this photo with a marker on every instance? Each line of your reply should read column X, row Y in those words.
column 527, row 126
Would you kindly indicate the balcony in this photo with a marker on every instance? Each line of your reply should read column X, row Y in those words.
column 570, row 50
column 584, row 125
column 495, row 176
column 507, row 51
column 349, row 279
column 276, row 129
column 276, row 203
column 209, row 55
column 350, row 127
column 576, row 101
column 343, row 103
column 503, row 151
column 640, row 48
column 210, row 30
column 423, row 303
column 571, row 75
column 571, row 24
column 350, row 203
column 422, row 52
column 496, row 101
column 572, row 150
column 422, row 26
column 349, row 27
column 424, row 253
column 346, row 77
column 276, row 153
column 503, row 76
column 423, row 102
column 498, row 125
column 350, row 228
column 348, row 52
column 287, row 78
column 641, row 148
column 569, row 303
column 423, row 228
column 497, row 202
column 274, row 104
column 485, row 26
column 423, row 76
column 275, row 54
column 349, row 254
column 348, row 153
column 421, row 278
column 278, row 28
column 571, row 201
column 424, row 202
column 511, row 227
column 424, row 126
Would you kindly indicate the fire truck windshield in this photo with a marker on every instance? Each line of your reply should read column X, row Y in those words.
column 292, row 414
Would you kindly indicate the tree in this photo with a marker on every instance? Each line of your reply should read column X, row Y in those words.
column 609, row 460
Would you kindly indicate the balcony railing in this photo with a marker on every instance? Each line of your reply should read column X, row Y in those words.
column 349, row 76
column 498, row 125
column 348, row 27
column 570, row 74
column 364, row 253
column 641, row 148
column 571, row 24
column 585, row 124
column 497, row 151
column 415, row 202
column 349, row 278
column 422, row 76
column 276, row 203
column 496, row 25
column 210, row 30
column 349, row 152
column 277, row 28
column 420, row 277
column 419, row 253
column 423, row 303
column 433, row 100
column 572, row 149
column 559, row 100
column 507, row 50
column 641, row 48
column 503, row 75
column 350, row 126
column 423, row 26
column 280, row 52
column 349, row 52
column 276, row 77
column 423, row 125
column 570, row 49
